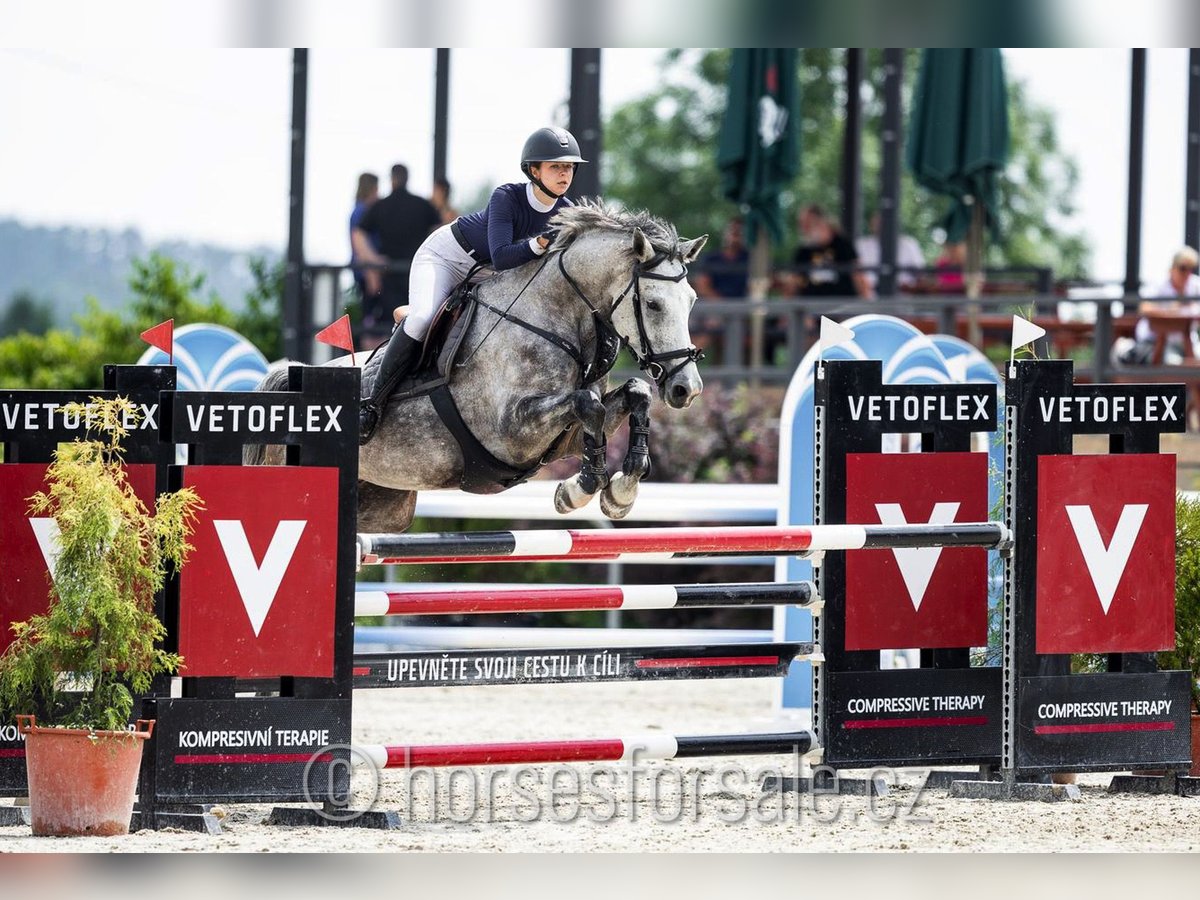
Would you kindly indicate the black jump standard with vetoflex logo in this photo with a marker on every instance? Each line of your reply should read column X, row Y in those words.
column 266, row 532
column 947, row 711
column 1092, row 573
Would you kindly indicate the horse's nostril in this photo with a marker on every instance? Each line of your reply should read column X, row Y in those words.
column 679, row 393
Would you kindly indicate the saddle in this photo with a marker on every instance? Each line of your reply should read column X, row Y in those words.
column 483, row 473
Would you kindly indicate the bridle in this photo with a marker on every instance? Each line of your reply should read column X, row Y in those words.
column 648, row 361
column 608, row 340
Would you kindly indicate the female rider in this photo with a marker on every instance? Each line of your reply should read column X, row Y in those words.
column 510, row 231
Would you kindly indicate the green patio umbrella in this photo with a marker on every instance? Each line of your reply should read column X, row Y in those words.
column 958, row 141
column 758, row 154
column 759, row 148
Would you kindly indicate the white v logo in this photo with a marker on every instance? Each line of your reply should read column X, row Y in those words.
column 46, row 532
column 916, row 563
column 1106, row 565
column 258, row 585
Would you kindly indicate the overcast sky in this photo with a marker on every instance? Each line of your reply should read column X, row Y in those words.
column 194, row 143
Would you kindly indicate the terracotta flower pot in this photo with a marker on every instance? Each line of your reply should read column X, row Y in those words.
column 1195, row 770
column 82, row 782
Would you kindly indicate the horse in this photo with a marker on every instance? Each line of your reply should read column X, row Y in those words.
column 528, row 382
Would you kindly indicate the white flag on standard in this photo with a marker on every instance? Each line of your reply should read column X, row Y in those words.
column 834, row 334
column 1025, row 332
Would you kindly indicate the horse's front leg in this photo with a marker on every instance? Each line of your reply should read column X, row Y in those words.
column 632, row 399
column 579, row 489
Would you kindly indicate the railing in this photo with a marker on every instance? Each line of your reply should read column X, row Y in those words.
column 726, row 325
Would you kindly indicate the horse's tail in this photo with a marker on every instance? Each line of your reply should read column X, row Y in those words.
column 276, row 379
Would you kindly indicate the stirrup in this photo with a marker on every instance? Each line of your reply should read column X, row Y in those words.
column 368, row 420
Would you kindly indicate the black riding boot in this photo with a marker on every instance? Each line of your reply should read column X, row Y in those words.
column 400, row 357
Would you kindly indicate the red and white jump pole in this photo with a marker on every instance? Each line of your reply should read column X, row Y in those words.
column 564, row 599
column 627, row 749
column 633, row 544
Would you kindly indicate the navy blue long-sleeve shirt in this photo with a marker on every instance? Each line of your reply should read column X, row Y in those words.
column 501, row 232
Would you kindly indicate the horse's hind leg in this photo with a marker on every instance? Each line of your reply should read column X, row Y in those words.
column 632, row 398
column 384, row 510
column 577, row 490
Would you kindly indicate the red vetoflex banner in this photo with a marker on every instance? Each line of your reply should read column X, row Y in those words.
column 258, row 594
column 27, row 544
column 921, row 597
column 1106, row 553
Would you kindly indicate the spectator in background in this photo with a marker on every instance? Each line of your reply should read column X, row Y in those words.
column 825, row 245
column 950, row 267
column 368, row 296
column 908, row 256
column 401, row 222
column 1181, row 283
column 1181, row 280
column 440, row 198
column 724, row 273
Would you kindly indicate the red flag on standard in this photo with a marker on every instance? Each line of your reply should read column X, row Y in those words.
column 162, row 336
column 338, row 335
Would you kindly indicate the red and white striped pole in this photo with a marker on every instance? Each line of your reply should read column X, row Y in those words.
column 564, row 599
column 627, row 749
column 633, row 544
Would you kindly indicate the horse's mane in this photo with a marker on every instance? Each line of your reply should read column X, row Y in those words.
column 588, row 215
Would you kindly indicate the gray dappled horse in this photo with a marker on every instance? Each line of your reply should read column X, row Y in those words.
column 529, row 379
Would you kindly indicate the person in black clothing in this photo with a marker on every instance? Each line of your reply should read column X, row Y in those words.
column 511, row 230
column 825, row 245
column 400, row 222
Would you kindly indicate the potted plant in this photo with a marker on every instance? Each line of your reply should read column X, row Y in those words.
column 71, row 675
column 1186, row 654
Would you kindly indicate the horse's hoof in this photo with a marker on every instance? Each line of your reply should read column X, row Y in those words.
column 612, row 509
column 617, row 499
column 562, row 499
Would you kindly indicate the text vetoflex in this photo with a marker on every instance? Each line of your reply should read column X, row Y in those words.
column 911, row 408
column 234, row 417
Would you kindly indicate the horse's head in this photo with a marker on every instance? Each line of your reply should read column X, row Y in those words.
column 638, row 264
column 653, row 317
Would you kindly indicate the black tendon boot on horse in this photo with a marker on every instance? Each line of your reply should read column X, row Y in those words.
column 400, row 357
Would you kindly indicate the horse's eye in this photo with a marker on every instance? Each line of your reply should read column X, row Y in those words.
column 653, row 305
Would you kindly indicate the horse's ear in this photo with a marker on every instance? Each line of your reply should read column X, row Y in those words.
column 642, row 248
column 689, row 250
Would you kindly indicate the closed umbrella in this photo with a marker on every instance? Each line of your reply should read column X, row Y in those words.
column 958, row 142
column 758, row 152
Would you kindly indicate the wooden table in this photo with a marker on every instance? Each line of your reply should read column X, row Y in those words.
column 1064, row 336
column 1178, row 320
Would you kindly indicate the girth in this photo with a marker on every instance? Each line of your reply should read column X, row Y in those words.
column 482, row 473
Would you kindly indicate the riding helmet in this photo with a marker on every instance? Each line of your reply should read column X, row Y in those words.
column 550, row 145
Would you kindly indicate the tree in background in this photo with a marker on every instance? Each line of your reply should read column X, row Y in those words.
column 160, row 289
column 660, row 155
column 259, row 322
column 26, row 313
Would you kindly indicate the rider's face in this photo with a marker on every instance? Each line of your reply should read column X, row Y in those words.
column 557, row 176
